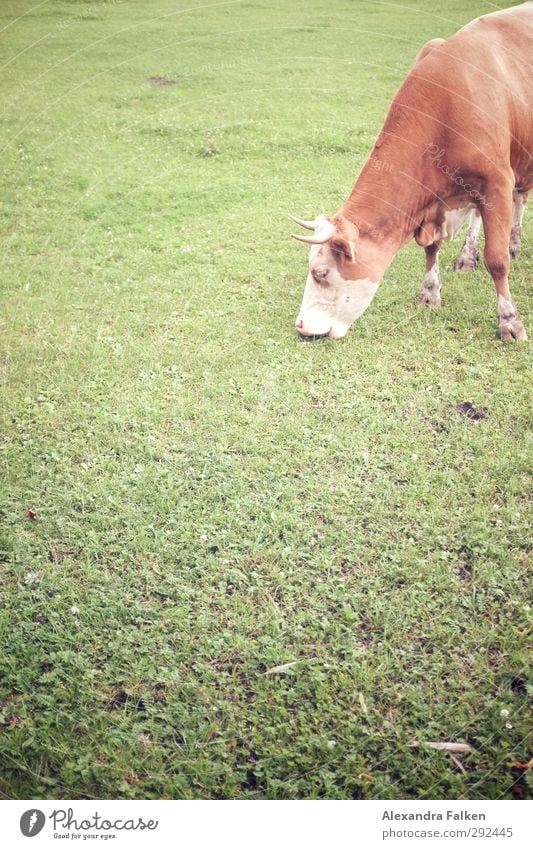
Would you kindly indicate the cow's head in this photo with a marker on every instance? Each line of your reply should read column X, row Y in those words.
column 337, row 290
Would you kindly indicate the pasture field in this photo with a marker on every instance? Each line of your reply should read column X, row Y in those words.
column 193, row 497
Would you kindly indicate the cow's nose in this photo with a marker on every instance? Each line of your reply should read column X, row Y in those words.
column 305, row 333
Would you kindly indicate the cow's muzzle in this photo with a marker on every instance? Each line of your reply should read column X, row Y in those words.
column 308, row 332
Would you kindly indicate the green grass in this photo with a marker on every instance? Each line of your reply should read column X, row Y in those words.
column 213, row 497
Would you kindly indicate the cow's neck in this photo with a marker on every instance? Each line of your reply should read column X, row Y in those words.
column 390, row 197
column 382, row 209
column 386, row 214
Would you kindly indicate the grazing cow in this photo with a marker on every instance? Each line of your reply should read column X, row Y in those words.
column 458, row 138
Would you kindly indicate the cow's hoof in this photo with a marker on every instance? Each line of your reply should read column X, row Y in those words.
column 430, row 293
column 514, row 250
column 430, row 299
column 468, row 263
column 512, row 329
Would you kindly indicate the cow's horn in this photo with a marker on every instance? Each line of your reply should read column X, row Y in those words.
column 311, row 240
column 309, row 225
column 324, row 231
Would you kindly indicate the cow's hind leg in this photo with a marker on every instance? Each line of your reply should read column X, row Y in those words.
column 519, row 205
column 497, row 223
column 469, row 256
column 430, row 294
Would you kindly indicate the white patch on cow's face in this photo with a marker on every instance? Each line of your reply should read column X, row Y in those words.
column 331, row 304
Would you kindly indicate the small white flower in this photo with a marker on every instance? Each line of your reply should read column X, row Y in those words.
column 204, row 538
column 74, row 610
column 30, row 578
column 508, row 724
column 414, row 457
column 332, row 744
column 504, row 713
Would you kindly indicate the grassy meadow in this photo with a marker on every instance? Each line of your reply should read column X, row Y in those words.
column 235, row 564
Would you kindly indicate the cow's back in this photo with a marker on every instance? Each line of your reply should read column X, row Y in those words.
column 479, row 84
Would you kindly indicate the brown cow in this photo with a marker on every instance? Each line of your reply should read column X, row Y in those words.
column 458, row 137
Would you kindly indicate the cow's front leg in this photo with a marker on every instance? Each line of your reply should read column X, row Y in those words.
column 519, row 205
column 430, row 294
column 469, row 256
column 497, row 223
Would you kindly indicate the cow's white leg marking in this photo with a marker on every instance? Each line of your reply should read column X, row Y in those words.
column 519, row 205
column 511, row 326
column 469, row 256
column 497, row 223
column 430, row 294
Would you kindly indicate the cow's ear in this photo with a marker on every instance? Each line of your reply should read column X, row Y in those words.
column 343, row 246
